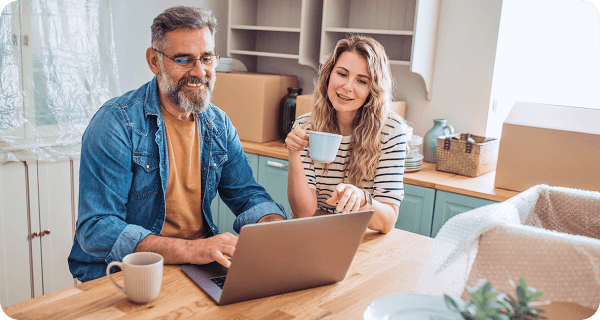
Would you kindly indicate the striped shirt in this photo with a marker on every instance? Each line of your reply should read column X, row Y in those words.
column 387, row 185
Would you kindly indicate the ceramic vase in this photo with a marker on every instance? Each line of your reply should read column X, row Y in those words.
column 287, row 112
column 440, row 128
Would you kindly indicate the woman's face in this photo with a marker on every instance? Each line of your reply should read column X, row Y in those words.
column 349, row 83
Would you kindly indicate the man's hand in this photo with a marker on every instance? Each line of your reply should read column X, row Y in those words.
column 270, row 217
column 211, row 249
column 199, row 251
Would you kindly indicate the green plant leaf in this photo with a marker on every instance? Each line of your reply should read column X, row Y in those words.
column 535, row 295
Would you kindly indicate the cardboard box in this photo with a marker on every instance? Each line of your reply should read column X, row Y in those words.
column 547, row 144
column 304, row 105
column 251, row 100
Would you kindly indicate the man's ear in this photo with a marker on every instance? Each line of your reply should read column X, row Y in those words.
column 152, row 60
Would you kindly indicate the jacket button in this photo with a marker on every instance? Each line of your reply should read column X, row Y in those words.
column 147, row 167
column 202, row 169
column 209, row 125
column 215, row 165
column 206, row 139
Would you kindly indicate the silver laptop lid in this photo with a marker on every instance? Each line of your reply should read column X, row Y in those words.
column 284, row 256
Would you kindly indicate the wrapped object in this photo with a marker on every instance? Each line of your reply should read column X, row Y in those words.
column 58, row 66
column 548, row 235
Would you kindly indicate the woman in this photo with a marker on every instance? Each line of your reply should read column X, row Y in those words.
column 351, row 98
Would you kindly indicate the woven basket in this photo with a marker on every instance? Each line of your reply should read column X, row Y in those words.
column 456, row 155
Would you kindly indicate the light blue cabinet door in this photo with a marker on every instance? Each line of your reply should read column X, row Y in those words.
column 273, row 177
column 223, row 216
column 448, row 204
column 416, row 210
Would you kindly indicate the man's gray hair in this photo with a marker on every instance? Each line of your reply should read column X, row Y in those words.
column 181, row 17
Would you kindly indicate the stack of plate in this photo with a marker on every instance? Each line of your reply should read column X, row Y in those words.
column 414, row 160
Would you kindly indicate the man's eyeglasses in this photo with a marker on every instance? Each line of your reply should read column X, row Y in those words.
column 209, row 61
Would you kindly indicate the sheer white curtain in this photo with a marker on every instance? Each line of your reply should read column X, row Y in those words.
column 58, row 65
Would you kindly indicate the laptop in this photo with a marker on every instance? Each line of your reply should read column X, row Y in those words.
column 284, row 256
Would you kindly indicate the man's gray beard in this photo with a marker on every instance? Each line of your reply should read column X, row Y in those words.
column 199, row 98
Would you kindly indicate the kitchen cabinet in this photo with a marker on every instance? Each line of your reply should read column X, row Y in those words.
column 407, row 29
column 448, row 204
column 416, row 210
column 273, row 176
column 287, row 29
column 307, row 30
column 38, row 210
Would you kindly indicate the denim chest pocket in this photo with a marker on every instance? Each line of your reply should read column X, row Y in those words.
column 146, row 178
column 218, row 158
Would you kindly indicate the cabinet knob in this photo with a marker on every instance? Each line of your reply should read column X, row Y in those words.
column 35, row 234
column 47, row 231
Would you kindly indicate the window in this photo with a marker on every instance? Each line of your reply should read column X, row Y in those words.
column 548, row 52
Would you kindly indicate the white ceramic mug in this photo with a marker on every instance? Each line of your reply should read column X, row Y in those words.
column 323, row 146
column 142, row 274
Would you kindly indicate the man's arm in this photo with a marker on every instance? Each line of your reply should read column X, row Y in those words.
column 238, row 189
column 199, row 251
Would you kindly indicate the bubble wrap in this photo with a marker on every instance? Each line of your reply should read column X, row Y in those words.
column 548, row 235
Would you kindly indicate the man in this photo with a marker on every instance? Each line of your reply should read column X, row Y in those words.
column 153, row 159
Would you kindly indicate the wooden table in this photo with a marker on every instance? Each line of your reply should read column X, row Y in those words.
column 385, row 264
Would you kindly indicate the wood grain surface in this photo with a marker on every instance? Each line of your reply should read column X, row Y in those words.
column 385, row 264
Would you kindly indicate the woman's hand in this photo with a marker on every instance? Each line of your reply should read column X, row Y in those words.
column 297, row 139
column 348, row 198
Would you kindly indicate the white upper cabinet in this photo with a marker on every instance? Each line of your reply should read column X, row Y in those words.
column 307, row 30
column 274, row 28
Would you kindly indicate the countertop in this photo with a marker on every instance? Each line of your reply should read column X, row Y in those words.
column 479, row 187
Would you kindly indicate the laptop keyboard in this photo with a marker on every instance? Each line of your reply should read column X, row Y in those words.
column 219, row 281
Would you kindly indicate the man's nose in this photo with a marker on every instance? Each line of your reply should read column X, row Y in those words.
column 197, row 69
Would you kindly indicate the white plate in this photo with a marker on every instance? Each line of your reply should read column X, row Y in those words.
column 417, row 157
column 411, row 306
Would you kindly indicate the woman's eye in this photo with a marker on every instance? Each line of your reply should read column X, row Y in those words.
column 362, row 81
column 341, row 74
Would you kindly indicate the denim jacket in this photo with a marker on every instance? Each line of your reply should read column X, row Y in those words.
column 123, row 179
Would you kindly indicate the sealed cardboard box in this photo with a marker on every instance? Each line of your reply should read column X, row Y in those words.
column 251, row 100
column 304, row 105
column 547, row 144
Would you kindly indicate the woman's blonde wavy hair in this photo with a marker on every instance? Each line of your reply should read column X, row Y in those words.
column 365, row 145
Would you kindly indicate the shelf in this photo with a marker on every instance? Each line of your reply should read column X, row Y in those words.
column 286, row 29
column 371, row 31
column 265, row 54
column 265, row 28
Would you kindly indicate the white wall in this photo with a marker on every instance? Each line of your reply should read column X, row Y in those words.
column 132, row 20
column 466, row 47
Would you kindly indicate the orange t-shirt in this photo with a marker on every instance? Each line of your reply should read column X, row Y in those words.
column 184, row 218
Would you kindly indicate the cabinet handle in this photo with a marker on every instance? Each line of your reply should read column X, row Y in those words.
column 47, row 231
column 276, row 164
column 35, row 234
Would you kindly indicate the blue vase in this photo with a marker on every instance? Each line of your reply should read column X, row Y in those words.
column 439, row 128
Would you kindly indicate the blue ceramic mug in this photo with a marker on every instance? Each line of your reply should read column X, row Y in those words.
column 323, row 146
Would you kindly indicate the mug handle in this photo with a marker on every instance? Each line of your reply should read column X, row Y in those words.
column 110, row 265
